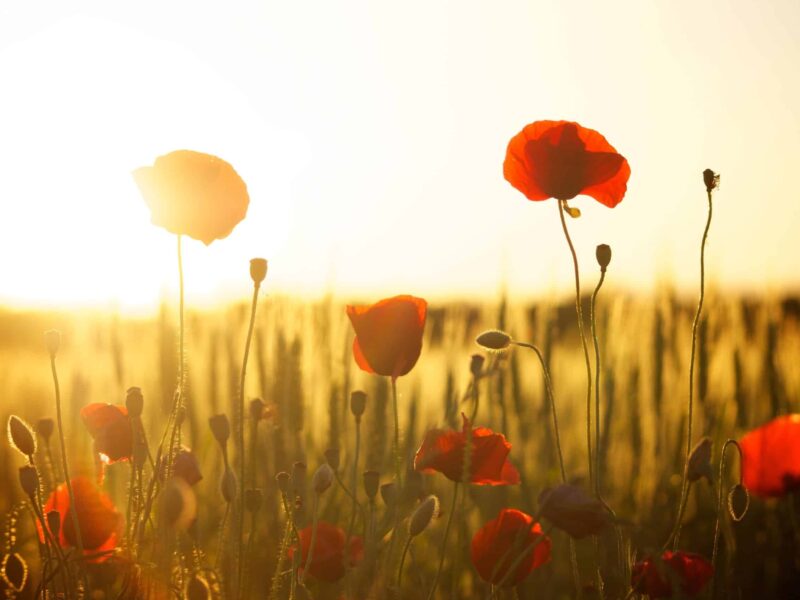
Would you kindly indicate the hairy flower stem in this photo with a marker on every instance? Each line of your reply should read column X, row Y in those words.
column 579, row 311
column 242, row 461
column 65, row 466
column 676, row 531
column 442, row 553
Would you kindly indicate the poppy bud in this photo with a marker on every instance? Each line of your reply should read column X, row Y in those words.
column 21, row 436
column 186, row 466
column 29, row 480
column 14, row 572
column 332, row 458
column 738, row 502
column 571, row 509
column 603, row 254
column 53, row 519
column 423, row 515
column 389, row 493
column 323, row 478
column 283, row 479
column 699, row 464
column 372, row 480
column 134, row 402
column 221, row 428
column 253, row 499
column 573, row 212
column 178, row 504
column 258, row 270
column 52, row 341
column 358, row 402
column 197, row 588
column 476, row 365
column 256, row 409
column 228, row 485
column 299, row 472
column 711, row 180
column 494, row 340
column 45, row 428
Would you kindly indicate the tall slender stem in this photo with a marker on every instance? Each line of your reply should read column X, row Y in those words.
column 579, row 311
column 593, row 325
column 242, row 462
column 314, row 523
column 442, row 553
column 397, row 456
column 355, row 483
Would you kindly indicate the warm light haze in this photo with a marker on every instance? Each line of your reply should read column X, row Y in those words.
column 371, row 136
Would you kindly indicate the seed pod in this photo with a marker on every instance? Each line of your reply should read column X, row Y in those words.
column 699, row 464
column 603, row 255
column 738, row 502
column 372, row 480
column 134, row 402
column 45, row 428
column 253, row 499
column 476, row 365
column 284, row 481
column 711, row 180
column 197, row 588
column 494, row 340
column 389, row 493
column 14, row 572
column 322, row 479
column 256, row 409
column 228, row 485
column 53, row 519
column 332, row 458
column 21, row 436
column 358, row 403
column 29, row 480
column 221, row 428
column 423, row 515
column 52, row 341
column 258, row 270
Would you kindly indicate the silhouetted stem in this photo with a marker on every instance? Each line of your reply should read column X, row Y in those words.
column 442, row 554
column 355, row 483
column 397, row 457
column 314, row 523
column 579, row 311
column 720, row 483
column 403, row 562
column 593, row 325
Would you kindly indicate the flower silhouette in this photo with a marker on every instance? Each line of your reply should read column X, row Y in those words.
column 388, row 334
column 572, row 510
column 771, row 465
column 655, row 577
column 499, row 543
column 110, row 427
column 562, row 159
column 194, row 194
column 443, row 451
column 328, row 562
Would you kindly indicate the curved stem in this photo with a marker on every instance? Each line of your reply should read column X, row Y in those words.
column 579, row 311
column 719, row 503
column 403, row 562
column 695, row 324
column 432, row 593
column 593, row 325
column 549, row 387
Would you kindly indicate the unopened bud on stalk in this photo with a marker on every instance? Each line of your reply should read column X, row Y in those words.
column 29, row 480
column 332, row 458
column 221, row 428
column 45, row 428
column 372, row 480
column 258, row 270
column 476, row 365
column 283, row 480
column 423, row 515
column 14, row 573
column 197, row 588
column 256, row 409
column 494, row 340
column 21, row 436
column 699, row 464
column 389, row 493
column 253, row 499
column 322, row 479
column 358, row 403
column 711, row 180
column 52, row 341
column 603, row 254
column 134, row 402
column 228, row 485
column 738, row 502
column 53, row 519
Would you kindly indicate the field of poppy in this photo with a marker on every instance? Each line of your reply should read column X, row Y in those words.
column 594, row 447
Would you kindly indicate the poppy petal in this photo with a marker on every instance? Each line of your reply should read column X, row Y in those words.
column 771, row 465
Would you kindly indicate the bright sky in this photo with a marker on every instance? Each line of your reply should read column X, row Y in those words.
column 371, row 136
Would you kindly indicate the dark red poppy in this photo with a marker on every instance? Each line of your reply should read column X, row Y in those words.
column 388, row 334
column 98, row 518
column 443, row 451
column 328, row 562
column 561, row 159
column 195, row 194
column 771, row 464
column 110, row 427
column 499, row 543
column 655, row 577
column 572, row 510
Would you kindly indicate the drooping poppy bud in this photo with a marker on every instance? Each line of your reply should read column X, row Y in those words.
column 427, row 510
column 134, row 402
column 699, row 464
column 258, row 270
column 494, row 339
column 21, row 436
column 603, row 255
column 572, row 510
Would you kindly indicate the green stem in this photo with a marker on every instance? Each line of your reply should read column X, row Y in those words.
column 593, row 324
column 442, row 554
column 403, row 562
column 579, row 311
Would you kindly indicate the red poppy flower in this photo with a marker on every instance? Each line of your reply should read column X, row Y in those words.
column 561, row 159
column 98, row 518
column 328, row 560
column 771, row 464
column 110, row 427
column 388, row 334
column 655, row 577
column 195, row 194
column 498, row 544
column 443, row 451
